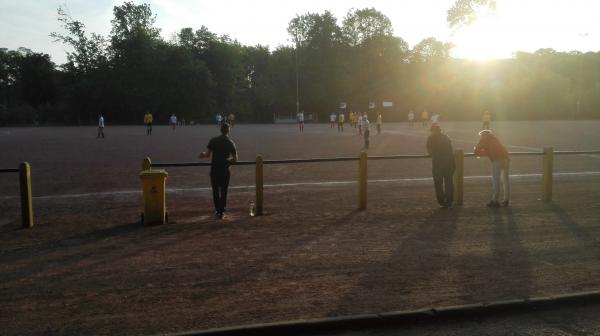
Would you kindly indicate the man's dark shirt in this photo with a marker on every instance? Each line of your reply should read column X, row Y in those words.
column 222, row 149
column 442, row 156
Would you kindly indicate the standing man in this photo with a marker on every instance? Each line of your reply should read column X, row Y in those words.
column 219, row 119
column 173, row 121
column 231, row 119
column 300, row 117
column 379, row 123
column 486, row 119
column 223, row 154
column 148, row 119
column 411, row 118
column 359, row 123
column 425, row 118
column 491, row 147
column 341, row 119
column 100, row 126
column 439, row 147
column 332, row 119
column 366, row 125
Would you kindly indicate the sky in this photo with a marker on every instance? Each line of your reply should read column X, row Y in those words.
column 515, row 25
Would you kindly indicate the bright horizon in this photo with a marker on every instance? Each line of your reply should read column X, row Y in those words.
column 525, row 25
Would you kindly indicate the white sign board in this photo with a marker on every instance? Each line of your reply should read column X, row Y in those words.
column 343, row 105
column 371, row 105
column 387, row 104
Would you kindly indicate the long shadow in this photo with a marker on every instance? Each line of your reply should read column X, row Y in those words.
column 506, row 274
column 417, row 258
column 585, row 236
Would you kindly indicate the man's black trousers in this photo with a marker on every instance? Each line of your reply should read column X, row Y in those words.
column 444, row 188
column 220, row 183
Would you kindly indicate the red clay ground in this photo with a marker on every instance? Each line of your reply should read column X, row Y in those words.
column 90, row 267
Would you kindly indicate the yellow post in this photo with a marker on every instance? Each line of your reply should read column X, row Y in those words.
column 362, row 181
column 26, row 201
column 154, row 184
column 259, row 185
column 547, row 173
column 459, row 176
column 146, row 164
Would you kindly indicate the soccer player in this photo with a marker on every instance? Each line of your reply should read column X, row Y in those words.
column 100, row 126
column 300, row 118
column 173, row 121
column 379, row 123
column 411, row 118
column 224, row 154
column 332, row 119
column 341, row 118
column 491, row 147
column 439, row 147
column 148, row 119
column 219, row 119
column 231, row 119
column 367, row 130
column 425, row 118
column 360, row 124
column 486, row 119
column 435, row 119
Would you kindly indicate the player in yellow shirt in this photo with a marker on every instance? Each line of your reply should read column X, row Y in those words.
column 341, row 118
column 148, row 122
column 379, row 122
column 425, row 118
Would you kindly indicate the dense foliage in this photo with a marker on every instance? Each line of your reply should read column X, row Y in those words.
column 197, row 74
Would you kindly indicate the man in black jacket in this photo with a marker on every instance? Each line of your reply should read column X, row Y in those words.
column 224, row 154
column 439, row 147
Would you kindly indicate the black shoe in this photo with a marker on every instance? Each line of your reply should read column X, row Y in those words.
column 493, row 204
column 218, row 215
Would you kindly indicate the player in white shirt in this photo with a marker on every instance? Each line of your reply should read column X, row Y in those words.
column 435, row 119
column 411, row 118
column 300, row 117
column 332, row 119
column 173, row 121
column 367, row 128
column 360, row 123
column 100, row 127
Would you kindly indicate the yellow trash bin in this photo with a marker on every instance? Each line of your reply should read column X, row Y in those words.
column 154, row 183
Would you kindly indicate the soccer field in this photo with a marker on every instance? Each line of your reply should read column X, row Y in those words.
column 70, row 160
column 89, row 266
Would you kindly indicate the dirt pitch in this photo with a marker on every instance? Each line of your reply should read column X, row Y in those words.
column 90, row 267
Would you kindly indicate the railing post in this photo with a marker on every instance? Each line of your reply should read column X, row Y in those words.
column 259, row 185
column 459, row 176
column 362, row 181
column 146, row 164
column 547, row 173
column 26, row 201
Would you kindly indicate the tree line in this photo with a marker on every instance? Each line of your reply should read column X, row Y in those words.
column 197, row 74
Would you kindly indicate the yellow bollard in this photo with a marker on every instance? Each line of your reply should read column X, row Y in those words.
column 259, row 185
column 362, row 181
column 26, row 200
column 548, row 163
column 146, row 164
column 154, row 184
column 459, row 176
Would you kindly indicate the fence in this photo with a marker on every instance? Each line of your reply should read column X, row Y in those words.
column 547, row 170
column 24, row 171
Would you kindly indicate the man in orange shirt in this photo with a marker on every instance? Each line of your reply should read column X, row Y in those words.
column 491, row 147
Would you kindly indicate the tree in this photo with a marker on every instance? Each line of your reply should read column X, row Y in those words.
column 465, row 11
column 361, row 25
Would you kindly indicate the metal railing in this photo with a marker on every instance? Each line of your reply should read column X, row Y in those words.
column 24, row 171
column 547, row 170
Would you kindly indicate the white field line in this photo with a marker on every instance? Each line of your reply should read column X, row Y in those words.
column 298, row 184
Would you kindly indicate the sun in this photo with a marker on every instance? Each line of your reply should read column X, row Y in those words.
column 486, row 39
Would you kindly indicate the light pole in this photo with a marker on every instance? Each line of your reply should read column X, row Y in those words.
column 297, row 86
column 577, row 114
